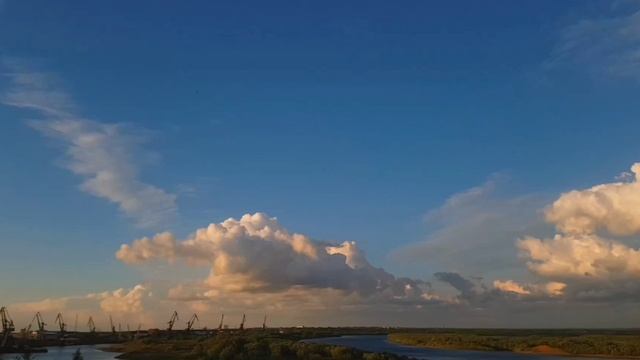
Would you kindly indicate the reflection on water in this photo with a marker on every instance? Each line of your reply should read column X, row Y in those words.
column 89, row 352
column 379, row 343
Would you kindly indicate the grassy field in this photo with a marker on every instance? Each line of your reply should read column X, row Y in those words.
column 621, row 343
column 246, row 345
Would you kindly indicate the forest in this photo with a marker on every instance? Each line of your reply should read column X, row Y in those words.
column 558, row 342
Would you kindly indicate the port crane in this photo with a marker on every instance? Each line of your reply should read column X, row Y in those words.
column 25, row 332
column 40, row 321
column 264, row 322
column 91, row 324
column 61, row 324
column 7, row 326
column 37, row 318
column 172, row 320
column 221, row 322
column 192, row 321
column 113, row 327
column 244, row 318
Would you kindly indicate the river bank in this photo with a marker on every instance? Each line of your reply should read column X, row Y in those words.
column 606, row 345
column 380, row 343
column 88, row 352
column 258, row 344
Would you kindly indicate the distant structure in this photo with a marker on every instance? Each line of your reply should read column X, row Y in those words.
column 221, row 322
column 244, row 318
column 172, row 320
column 40, row 321
column 192, row 321
column 7, row 326
column 264, row 322
column 113, row 327
column 26, row 332
column 61, row 324
column 91, row 325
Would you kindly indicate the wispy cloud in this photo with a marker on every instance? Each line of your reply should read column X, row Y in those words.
column 603, row 46
column 474, row 230
column 103, row 154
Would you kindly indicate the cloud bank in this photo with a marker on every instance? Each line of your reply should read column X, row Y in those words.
column 124, row 305
column 104, row 155
column 256, row 254
column 578, row 250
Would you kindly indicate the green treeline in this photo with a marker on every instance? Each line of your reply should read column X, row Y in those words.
column 610, row 344
column 241, row 347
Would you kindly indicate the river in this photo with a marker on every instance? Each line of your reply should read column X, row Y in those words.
column 379, row 343
column 372, row 343
column 89, row 352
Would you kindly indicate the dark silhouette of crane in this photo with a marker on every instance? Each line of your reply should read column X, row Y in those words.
column 172, row 320
column 40, row 321
column 26, row 331
column 91, row 324
column 192, row 321
column 113, row 327
column 221, row 322
column 264, row 322
column 7, row 326
column 61, row 324
column 244, row 318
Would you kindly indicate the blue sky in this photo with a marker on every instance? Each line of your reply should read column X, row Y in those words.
column 346, row 121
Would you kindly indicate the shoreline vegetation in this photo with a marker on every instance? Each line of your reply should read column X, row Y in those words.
column 594, row 343
column 289, row 344
column 247, row 345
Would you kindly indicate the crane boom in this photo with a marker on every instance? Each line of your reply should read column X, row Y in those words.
column 61, row 324
column 192, row 321
column 172, row 320
column 244, row 318
column 40, row 322
column 91, row 324
column 264, row 322
column 7, row 326
column 221, row 322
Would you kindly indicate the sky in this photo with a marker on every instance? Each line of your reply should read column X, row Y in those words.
column 440, row 163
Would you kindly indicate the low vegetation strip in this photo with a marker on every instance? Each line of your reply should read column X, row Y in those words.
column 241, row 347
column 620, row 345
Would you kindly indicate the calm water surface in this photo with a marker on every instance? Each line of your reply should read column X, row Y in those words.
column 379, row 343
column 89, row 352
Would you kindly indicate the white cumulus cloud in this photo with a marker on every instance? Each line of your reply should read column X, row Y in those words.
column 124, row 305
column 122, row 301
column 580, row 250
column 256, row 254
column 553, row 288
